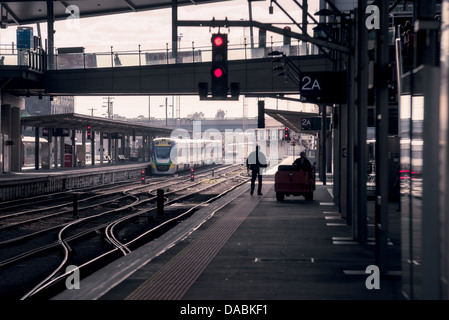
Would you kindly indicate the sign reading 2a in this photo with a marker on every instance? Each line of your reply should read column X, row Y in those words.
column 323, row 87
column 306, row 124
column 307, row 83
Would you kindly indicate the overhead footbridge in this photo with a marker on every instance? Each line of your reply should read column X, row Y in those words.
column 255, row 76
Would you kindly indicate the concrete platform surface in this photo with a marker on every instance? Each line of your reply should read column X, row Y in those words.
column 254, row 248
column 290, row 250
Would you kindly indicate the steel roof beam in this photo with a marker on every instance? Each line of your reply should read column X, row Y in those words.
column 24, row 16
column 11, row 13
column 131, row 5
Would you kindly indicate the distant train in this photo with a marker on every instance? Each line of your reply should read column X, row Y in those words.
column 173, row 155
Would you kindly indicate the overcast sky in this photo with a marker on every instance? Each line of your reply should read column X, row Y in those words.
column 152, row 30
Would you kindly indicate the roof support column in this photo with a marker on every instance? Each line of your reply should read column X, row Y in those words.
column 1, row 136
column 362, row 106
column 92, row 147
column 36, row 148
column 305, row 9
column 115, row 150
column 350, row 124
column 133, row 148
column 16, row 148
column 73, row 139
column 50, row 34
column 174, row 29
column 110, row 147
column 61, row 151
column 55, row 148
column 323, row 165
column 433, row 240
column 101, row 148
column 46, row 151
column 381, row 216
column 6, row 133
column 336, row 143
column 144, row 147
column 251, row 32
column 82, row 158
column 127, row 148
column 443, row 173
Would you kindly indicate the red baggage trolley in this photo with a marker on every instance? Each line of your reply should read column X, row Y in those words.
column 288, row 180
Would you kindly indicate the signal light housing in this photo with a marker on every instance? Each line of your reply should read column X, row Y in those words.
column 192, row 175
column 219, row 68
column 286, row 135
column 142, row 176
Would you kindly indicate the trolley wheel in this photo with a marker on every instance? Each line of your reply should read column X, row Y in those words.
column 279, row 196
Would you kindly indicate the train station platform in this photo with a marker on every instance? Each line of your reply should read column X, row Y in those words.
column 251, row 248
column 31, row 182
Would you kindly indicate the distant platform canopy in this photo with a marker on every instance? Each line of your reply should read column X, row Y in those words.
column 73, row 121
column 27, row 12
column 290, row 119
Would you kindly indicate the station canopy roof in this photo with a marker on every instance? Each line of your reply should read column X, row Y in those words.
column 26, row 12
column 290, row 119
column 73, row 121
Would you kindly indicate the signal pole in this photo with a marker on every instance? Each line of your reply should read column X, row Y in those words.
column 91, row 111
column 174, row 28
column 109, row 106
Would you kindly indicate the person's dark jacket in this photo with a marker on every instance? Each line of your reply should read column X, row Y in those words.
column 303, row 164
column 256, row 161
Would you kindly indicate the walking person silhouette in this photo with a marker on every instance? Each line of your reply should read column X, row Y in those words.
column 256, row 160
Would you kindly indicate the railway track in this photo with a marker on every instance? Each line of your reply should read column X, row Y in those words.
column 92, row 240
column 43, row 208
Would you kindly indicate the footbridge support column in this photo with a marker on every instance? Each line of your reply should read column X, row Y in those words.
column 10, row 132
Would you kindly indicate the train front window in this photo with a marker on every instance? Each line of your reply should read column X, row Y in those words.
column 163, row 152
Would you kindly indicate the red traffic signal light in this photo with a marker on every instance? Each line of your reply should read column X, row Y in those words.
column 218, row 72
column 218, row 41
column 142, row 175
column 192, row 175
